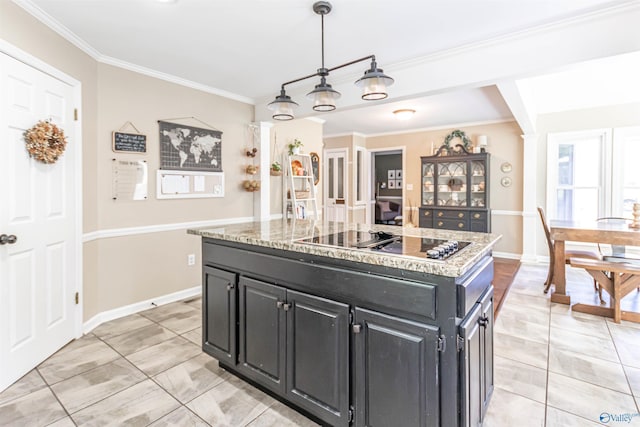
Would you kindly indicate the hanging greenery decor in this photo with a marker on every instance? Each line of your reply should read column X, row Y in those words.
column 466, row 142
column 45, row 142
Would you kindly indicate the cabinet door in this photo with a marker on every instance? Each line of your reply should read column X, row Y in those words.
column 396, row 371
column 219, row 315
column 262, row 333
column 479, row 222
column 476, row 360
column 426, row 218
column 471, row 360
column 486, row 330
column 318, row 356
column 428, row 183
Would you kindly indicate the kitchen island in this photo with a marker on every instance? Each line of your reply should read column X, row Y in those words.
column 352, row 334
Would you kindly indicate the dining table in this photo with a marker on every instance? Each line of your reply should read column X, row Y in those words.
column 588, row 232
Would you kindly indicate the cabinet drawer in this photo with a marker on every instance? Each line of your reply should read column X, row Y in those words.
column 450, row 224
column 425, row 219
column 478, row 216
column 453, row 214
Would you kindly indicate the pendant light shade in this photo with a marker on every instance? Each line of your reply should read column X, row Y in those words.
column 282, row 107
column 374, row 83
column 323, row 96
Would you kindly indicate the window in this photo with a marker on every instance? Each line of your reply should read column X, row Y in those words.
column 592, row 174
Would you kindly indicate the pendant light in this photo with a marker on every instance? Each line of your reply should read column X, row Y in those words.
column 374, row 82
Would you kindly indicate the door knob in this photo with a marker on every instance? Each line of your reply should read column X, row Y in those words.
column 7, row 239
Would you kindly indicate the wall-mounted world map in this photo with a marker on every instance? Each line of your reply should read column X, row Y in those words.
column 190, row 148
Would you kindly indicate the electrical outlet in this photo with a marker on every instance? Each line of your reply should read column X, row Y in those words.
column 191, row 259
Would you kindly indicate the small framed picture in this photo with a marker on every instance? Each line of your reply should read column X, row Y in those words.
column 392, row 183
column 398, row 173
column 391, row 174
column 398, row 184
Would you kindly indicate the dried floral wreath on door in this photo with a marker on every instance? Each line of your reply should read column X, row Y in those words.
column 45, row 142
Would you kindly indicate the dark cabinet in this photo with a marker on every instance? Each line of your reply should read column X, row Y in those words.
column 318, row 356
column 396, row 371
column 298, row 346
column 219, row 317
column 374, row 347
column 455, row 191
column 476, row 361
column 262, row 332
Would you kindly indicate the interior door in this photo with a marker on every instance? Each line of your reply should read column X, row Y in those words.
column 335, row 205
column 39, row 266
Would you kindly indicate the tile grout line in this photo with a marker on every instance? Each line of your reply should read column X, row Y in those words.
column 123, row 357
column 55, row 396
column 626, row 376
column 147, row 376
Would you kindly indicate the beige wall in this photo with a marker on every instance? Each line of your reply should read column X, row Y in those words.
column 505, row 145
column 140, row 267
column 124, row 270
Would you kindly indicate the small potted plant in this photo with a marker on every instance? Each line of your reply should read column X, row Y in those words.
column 276, row 169
column 294, row 147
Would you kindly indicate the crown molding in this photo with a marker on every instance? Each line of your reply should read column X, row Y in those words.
column 72, row 38
column 174, row 79
column 598, row 12
column 56, row 26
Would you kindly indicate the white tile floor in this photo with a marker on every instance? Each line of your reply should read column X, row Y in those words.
column 558, row 368
column 552, row 368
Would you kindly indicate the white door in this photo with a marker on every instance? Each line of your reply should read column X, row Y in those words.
column 39, row 272
column 336, row 186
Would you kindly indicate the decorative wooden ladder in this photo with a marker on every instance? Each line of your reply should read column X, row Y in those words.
column 299, row 192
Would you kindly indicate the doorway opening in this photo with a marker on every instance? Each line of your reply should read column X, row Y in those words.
column 387, row 182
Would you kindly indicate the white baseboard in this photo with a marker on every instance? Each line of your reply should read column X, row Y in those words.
column 117, row 313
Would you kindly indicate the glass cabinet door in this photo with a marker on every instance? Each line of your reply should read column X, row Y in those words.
column 452, row 184
column 478, row 194
column 428, row 184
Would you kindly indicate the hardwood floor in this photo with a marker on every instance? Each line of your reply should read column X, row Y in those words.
column 504, row 272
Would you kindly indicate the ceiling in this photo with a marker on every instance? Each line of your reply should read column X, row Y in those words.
column 246, row 49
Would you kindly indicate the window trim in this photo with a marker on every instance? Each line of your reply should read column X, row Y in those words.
column 554, row 140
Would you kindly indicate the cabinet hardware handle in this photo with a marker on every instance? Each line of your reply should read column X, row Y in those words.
column 279, row 304
column 460, row 215
column 440, row 223
column 286, row 307
column 427, row 213
column 476, row 216
column 7, row 239
column 440, row 213
column 230, row 286
column 483, row 321
column 356, row 328
column 461, row 225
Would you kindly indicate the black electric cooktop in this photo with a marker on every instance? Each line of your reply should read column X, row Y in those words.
column 378, row 241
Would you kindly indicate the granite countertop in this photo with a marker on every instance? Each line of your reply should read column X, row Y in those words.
column 284, row 234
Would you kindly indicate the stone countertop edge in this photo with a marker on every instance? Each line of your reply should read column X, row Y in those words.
column 284, row 235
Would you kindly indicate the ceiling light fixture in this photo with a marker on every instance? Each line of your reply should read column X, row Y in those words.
column 404, row 114
column 373, row 83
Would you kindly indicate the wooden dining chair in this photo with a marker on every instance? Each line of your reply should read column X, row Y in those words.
column 568, row 253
